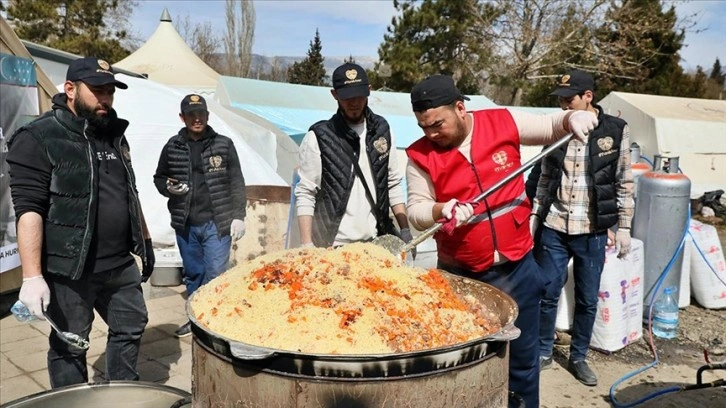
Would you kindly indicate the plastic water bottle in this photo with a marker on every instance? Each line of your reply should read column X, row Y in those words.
column 665, row 315
column 21, row 312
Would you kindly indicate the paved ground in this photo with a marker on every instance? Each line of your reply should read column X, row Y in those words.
column 163, row 358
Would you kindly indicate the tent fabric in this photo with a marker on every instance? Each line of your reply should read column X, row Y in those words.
column 167, row 59
column 153, row 112
column 692, row 129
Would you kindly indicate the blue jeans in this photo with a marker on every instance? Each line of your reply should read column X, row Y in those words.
column 553, row 253
column 204, row 253
column 118, row 298
column 522, row 280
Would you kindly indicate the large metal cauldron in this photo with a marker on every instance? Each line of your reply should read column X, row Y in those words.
column 472, row 374
column 113, row 394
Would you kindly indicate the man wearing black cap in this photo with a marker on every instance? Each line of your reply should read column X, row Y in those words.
column 584, row 189
column 460, row 156
column 199, row 172
column 79, row 220
column 349, row 173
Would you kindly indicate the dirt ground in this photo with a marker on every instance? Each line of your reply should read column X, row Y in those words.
column 700, row 331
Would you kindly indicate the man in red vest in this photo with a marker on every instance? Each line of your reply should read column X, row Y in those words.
column 460, row 155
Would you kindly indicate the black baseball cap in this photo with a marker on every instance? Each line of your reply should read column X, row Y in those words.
column 435, row 91
column 193, row 102
column 573, row 83
column 350, row 81
column 93, row 71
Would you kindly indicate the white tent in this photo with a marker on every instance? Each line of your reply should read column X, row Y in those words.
column 167, row 59
column 692, row 129
column 153, row 112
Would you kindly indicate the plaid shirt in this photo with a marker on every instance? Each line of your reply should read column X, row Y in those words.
column 574, row 211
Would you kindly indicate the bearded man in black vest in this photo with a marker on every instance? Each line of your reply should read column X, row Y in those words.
column 585, row 188
column 79, row 220
column 349, row 173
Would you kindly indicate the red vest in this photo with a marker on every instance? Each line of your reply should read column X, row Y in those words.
column 495, row 153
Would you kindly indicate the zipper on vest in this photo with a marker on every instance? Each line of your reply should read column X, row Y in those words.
column 489, row 211
column 84, row 249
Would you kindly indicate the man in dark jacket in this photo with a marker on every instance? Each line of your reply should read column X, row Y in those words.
column 200, row 173
column 79, row 219
column 349, row 174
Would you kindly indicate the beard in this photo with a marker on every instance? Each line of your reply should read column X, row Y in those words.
column 89, row 113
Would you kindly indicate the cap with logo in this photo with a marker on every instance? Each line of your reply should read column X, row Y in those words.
column 350, row 81
column 93, row 71
column 193, row 102
column 435, row 91
column 573, row 83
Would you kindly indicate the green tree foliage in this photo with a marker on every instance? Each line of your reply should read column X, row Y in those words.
column 642, row 44
column 309, row 71
column 716, row 75
column 85, row 27
column 436, row 36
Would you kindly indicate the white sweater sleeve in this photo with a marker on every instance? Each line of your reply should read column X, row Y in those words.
column 310, row 171
column 539, row 129
column 395, row 175
column 421, row 197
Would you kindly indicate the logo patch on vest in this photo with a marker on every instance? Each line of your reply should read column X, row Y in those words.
column 606, row 145
column 216, row 163
column 501, row 158
column 381, row 146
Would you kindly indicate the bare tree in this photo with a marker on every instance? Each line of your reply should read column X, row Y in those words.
column 240, row 37
column 202, row 39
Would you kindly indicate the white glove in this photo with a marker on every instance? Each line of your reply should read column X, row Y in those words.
column 307, row 245
column 582, row 123
column 35, row 295
column 237, row 230
column 462, row 214
column 175, row 187
column 622, row 241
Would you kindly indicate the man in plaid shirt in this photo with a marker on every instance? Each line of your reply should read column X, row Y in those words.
column 584, row 189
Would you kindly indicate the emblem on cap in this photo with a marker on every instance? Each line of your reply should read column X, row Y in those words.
column 381, row 145
column 605, row 144
column 194, row 98
column 351, row 74
column 104, row 65
column 565, row 79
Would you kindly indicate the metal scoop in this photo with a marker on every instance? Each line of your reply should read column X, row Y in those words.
column 398, row 247
column 71, row 339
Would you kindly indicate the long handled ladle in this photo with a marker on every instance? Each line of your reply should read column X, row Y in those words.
column 398, row 247
column 71, row 339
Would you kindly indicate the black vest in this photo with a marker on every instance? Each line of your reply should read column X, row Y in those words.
column 70, row 221
column 215, row 156
column 604, row 148
column 339, row 149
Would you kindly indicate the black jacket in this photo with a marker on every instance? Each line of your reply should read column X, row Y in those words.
column 222, row 175
column 60, row 183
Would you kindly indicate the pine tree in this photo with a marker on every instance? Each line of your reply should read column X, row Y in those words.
column 435, row 37
column 640, row 47
column 309, row 71
column 716, row 75
column 85, row 27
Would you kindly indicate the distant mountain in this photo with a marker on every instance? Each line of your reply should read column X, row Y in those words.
column 265, row 63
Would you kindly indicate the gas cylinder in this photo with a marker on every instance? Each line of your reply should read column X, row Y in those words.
column 637, row 167
column 661, row 217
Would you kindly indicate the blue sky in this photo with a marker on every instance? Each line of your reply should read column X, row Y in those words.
column 285, row 28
